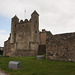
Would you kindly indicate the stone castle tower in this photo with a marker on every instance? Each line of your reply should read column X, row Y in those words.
column 24, row 38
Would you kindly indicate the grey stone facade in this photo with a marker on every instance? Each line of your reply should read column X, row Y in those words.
column 61, row 47
column 25, row 37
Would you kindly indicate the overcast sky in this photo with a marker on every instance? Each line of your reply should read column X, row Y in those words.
column 57, row 16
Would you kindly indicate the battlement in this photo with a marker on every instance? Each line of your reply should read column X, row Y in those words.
column 20, row 21
column 34, row 17
column 25, row 21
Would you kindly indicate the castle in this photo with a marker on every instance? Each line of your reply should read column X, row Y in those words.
column 26, row 40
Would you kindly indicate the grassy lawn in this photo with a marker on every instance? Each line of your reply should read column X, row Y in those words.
column 32, row 66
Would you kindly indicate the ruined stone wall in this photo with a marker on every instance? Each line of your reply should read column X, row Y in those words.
column 43, row 39
column 43, row 36
column 61, row 47
column 7, row 50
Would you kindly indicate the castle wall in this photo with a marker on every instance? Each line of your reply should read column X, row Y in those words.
column 24, row 40
column 23, row 36
column 7, row 50
column 43, row 36
column 43, row 39
column 61, row 47
column 32, row 51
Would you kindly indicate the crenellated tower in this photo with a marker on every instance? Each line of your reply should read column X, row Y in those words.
column 35, row 21
column 14, row 21
column 24, row 39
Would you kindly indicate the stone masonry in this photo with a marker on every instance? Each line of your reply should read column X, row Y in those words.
column 26, row 40
column 61, row 47
column 25, row 37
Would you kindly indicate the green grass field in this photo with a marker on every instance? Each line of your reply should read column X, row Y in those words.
column 32, row 66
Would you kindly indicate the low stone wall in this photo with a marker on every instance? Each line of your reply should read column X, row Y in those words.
column 61, row 47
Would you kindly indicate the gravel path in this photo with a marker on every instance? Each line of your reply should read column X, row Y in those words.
column 2, row 73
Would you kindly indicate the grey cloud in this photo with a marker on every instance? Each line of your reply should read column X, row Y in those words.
column 55, row 15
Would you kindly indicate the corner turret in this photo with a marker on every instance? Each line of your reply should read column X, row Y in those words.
column 14, row 21
column 35, row 16
column 35, row 12
column 35, row 21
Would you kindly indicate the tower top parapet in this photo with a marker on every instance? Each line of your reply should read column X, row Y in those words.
column 35, row 12
column 15, row 17
column 16, row 20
